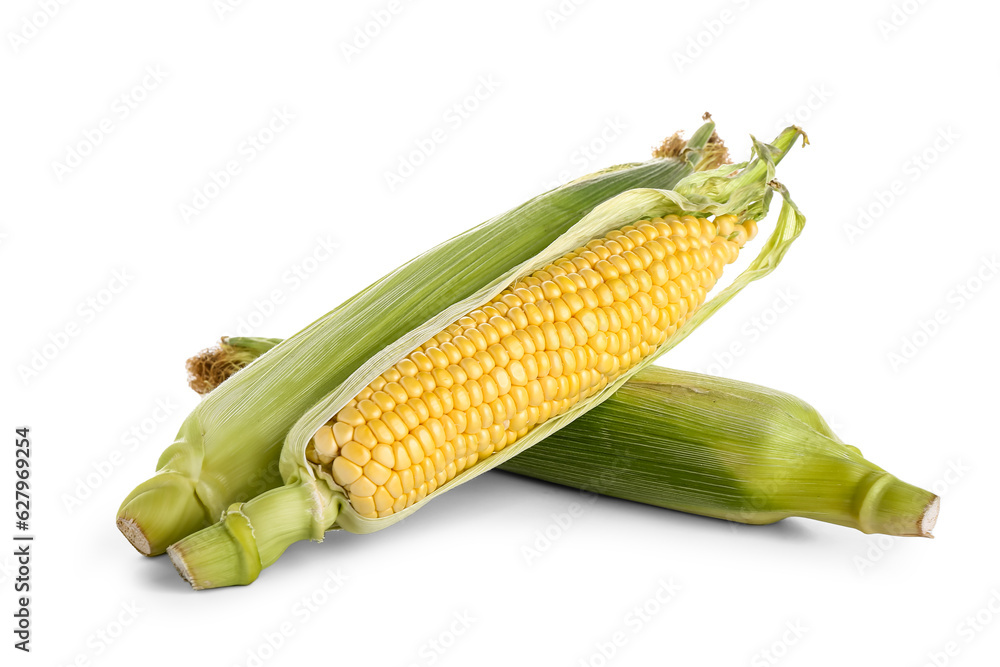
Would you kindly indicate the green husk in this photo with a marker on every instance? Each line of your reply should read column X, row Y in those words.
column 713, row 447
column 225, row 448
column 743, row 189
column 729, row 450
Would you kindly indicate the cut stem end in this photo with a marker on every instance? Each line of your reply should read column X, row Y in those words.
column 929, row 518
column 224, row 554
column 133, row 533
column 250, row 537
column 159, row 512
column 893, row 507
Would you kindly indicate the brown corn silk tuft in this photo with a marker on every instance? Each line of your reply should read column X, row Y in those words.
column 213, row 366
column 713, row 155
column 670, row 147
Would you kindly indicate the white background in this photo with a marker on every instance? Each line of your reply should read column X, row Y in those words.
column 875, row 97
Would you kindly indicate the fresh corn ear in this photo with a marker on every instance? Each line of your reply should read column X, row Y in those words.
column 633, row 250
column 728, row 450
column 225, row 449
column 697, row 444
column 546, row 343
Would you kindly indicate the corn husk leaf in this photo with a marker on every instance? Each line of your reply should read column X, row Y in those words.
column 253, row 534
column 716, row 192
column 225, row 450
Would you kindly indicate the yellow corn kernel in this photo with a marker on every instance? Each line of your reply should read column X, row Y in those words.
column 324, row 442
column 551, row 339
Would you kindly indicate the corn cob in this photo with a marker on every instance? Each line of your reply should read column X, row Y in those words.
column 698, row 444
column 252, row 535
column 548, row 341
column 203, row 472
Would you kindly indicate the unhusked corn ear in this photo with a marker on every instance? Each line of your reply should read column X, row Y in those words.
column 725, row 449
column 551, row 339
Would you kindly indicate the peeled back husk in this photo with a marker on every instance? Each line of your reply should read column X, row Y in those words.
column 225, row 450
column 252, row 535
